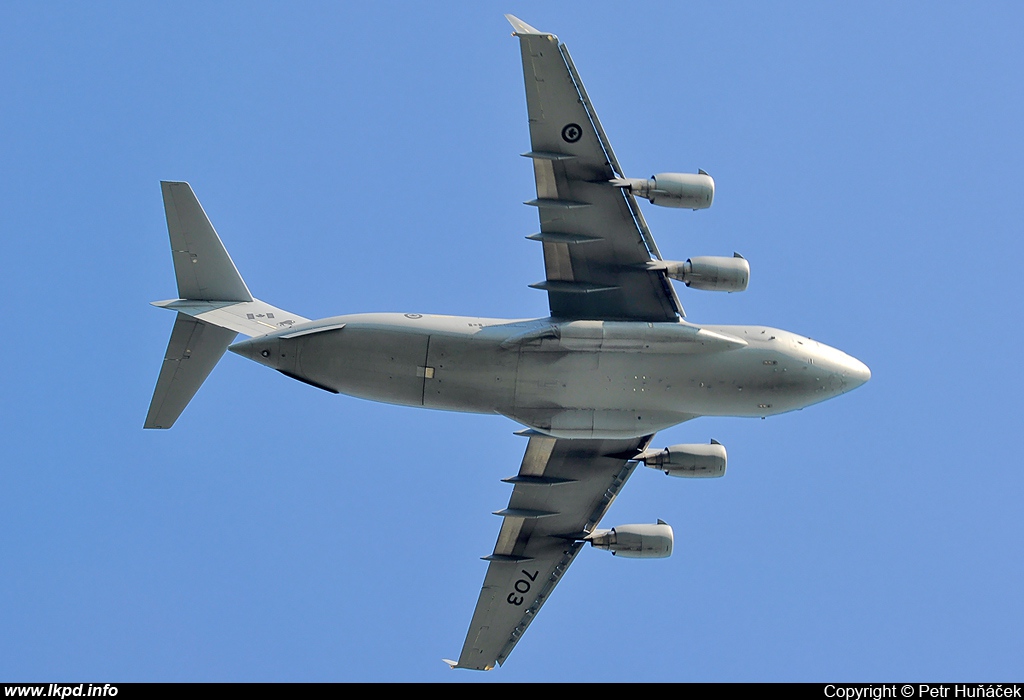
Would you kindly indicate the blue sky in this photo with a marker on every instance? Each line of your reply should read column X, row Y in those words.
column 365, row 158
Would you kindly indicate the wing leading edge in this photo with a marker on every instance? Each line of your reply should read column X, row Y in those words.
column 596, row 241
column 563, row 489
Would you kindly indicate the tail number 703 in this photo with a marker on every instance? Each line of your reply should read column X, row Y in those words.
column 522, row 586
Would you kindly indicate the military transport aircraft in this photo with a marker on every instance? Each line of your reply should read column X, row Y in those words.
column 613, row 364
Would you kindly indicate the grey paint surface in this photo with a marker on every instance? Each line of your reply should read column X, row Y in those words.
column 193, row 351
column 202, row 266
column 607, row 380
column 613, row 364
column 603, row 275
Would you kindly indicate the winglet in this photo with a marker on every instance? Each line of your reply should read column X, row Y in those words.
column 522, row 28
column 455, row 664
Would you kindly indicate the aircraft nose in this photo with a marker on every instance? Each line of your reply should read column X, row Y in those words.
column 844, row 372
column 856, row 372
column 847, row 371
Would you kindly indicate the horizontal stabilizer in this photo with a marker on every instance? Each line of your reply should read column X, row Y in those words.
column 193, row 351
column 249, row 317
column 215, row 306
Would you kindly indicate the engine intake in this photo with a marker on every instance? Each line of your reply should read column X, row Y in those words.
column 677, row 190
column 635, row 541
column 692, row 461
column 712, row 273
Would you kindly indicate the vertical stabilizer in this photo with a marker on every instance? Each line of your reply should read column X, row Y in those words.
column 210, row 287
column 202, row 266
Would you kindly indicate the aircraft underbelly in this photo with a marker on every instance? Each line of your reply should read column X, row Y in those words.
column 469, row 374
column 598, row 394
column 371, row 363
column 416, row 365
column 450, row 364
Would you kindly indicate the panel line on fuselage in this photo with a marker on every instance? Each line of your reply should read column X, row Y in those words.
column 426, row 369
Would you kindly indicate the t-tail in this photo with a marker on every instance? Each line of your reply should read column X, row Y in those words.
column 213, row 306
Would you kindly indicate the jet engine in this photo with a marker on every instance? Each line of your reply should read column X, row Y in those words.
column 694, row 461
column 712, row 273
column 635, row 541
column 677, row 190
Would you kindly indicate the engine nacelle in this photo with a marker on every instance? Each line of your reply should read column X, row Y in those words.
column 712, row 273
column 677, row 190
column 692, row 461
column 635, row 541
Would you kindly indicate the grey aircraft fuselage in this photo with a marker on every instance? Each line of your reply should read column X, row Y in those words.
column 572, row 379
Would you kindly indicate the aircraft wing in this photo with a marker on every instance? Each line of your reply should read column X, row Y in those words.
column 596, row 242
column 563, row 489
